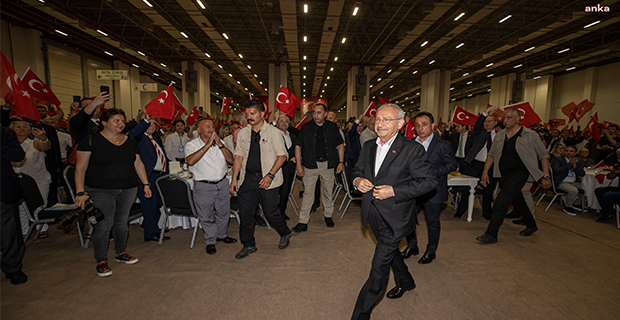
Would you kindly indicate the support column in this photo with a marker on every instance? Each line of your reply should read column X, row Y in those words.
column 435, row 94
column 186, row 98
column 538, row 93
column 202, row 96
column 136, row 101
column 502, row 89
column 277, row 77
column 358, row 86
column 122, row 91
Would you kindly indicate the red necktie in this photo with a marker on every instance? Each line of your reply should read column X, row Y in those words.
column 160, row 154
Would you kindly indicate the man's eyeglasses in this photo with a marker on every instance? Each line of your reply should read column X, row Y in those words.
column 379, row 120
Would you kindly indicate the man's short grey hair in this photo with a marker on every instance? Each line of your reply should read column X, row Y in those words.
column 241, row 116
column 401, row 113
column 516, row 111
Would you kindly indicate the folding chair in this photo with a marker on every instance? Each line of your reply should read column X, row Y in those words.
column 349, row 193
column 177, row 199
column 291, row 198
column 34, row 206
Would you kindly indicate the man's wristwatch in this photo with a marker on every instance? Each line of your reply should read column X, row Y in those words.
column 81, row 193
column 546, row 177
column 271, row 175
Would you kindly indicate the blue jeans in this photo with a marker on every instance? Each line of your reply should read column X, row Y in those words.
column 115, row 205
column 607, row 198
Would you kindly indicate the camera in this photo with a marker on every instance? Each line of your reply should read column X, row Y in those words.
column 93, row 214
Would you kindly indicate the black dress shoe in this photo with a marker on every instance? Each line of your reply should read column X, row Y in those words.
column 519, row 222
column 227, row 240
column 487, row 238
column 156, row 238
column 528, row 231
column 398, row 292
column 409, row 251
column 427, row 258
column 487, row 216
column 329, row 222
column 300, row 227
column 18, row 277
column 313, row 209
column 211, row 249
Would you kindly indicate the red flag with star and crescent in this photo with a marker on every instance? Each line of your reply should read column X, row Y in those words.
column 371, row 110
column 38, row 89
column 569, row 110
column 226, row 105
column 193, row 116
column 462, row 116
column 13, row 90
column 383, row 101
column 528, row 116
column 580, row 110
column 163, row 105
column 286, row 101
column 594, row 127
column 410, row 133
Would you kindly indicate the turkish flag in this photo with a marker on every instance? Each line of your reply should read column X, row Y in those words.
column 594, row 128
column 528, row 116
column 410, row 133
column 178, row 106
column 163, row 105
column 192, row 116
column 499, row 113
column 52, row 111
column 303, row 121
column 569, row 110
column 38, row 89
column 580, row 110
column 600, row 164
column 226, row 105
column 286, row 101
column 462, row 116
column 13, row 90
column 383, row 101
column 554, row 123
column 371, row 110
column 606, row 124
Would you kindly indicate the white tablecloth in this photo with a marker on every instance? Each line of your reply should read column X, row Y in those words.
column 589, row 184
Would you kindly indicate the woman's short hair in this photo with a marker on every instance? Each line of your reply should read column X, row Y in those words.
column 107, row 114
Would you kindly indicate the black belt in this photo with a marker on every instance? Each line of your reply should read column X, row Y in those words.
column 321, row 159
column 254, row 174
column 212, row 182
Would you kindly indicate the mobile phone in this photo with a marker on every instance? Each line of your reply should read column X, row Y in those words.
column 104, row 89
column 77, row 98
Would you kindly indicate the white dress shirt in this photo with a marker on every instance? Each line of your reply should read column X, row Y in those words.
column 426, row 142
column 482, row 154
column 212, row 165
column 65, row 141
column 382, row 151
column 174, row 144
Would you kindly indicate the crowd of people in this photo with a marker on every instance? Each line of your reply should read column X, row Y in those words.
column 117, row 161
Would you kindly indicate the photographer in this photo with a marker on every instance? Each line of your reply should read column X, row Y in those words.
column 107, row 165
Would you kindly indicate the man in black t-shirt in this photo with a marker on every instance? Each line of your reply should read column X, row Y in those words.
column 318, row 150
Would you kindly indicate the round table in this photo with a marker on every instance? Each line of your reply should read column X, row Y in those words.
column 589, row 183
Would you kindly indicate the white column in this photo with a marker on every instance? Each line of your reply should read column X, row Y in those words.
column 277, row 78
column 538, row 92
column 429, row 100
column 122, row 91
column 136, row 101
column 202, row 97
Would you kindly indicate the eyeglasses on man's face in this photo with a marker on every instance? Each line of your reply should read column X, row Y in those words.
column 379, row 120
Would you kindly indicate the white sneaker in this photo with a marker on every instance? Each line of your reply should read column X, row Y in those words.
column 570, row 211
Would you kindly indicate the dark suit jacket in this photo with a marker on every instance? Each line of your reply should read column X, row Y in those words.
column 354, row 147
column 11, row 151
column 442, row 159
column 479, row 139
column 561, row 168
column 148, row 153
column 410, row 174
column 455, row 139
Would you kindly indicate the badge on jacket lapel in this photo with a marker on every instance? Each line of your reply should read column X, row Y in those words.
column 394, row 151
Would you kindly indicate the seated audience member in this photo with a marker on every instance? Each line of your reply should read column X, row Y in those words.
column 608, row 197
column 175, row 142
column 605, row 147
column 584, row 155
column 33, row 164
column 612, row 158
column 567, row 173
column 207, row 158
column 558, row 150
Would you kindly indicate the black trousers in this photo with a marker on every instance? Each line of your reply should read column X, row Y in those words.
column 150, row 206
column 250, row 195
column 288, row 171
column 12, row 244
column 510, row 194
column 475, row 169
column 386, row 256
column 431, row 211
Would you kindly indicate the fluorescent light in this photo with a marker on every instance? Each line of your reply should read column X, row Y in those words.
column 101, row 32
column 392, row 86
column 469, row 95
column 208, row 55
column 304, row 83
column 370, row 86
column 304, row 57
column 255, row 76
column 490, row 64
column 459, row 16
column 417, row 93
column 305, row 8
column 246, row 89
column 381, row 92
column 163, row 65
column 328, row 77
column 260, row 82
column 453, row 99
column 184, row 35
column 538, row 77
column 470, row 82
column 593, row 23
column 423, row 44
column 265, row 89
column 240, row 56
column 571, row 68
column 336, row 59
column 42, row 1
column 135, row 65
column 156, row 74
column 432, row 61
column 304, row 90
column 142, row 54
column 202, row 6
column 108, row 53
column 64, row 34
column 529, row 49
column 389, row 71
column 238, row 82
column 403, row 60
column 180, row 74
column 326, row 85
column 148, row 3
column 562, row 51
column 415, row 72
column 330, row 69
column 304, row 68
column 465, row 74
column 488, row 90
column 506, row 18
column 460, row 45
column 219, row 65
column 304, row 76
column 378, row 79
column 344, row 40
column 355, row 11
column 518, row 66
column 230, row 75
column 217, row 93
column 488, row 76
column 451, row 88
column 225, row 36
column 249, row 66
column 305, row 38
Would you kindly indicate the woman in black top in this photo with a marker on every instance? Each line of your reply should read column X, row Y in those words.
column 107, row 164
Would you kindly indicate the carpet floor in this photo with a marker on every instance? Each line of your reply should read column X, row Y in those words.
column 569, row 269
